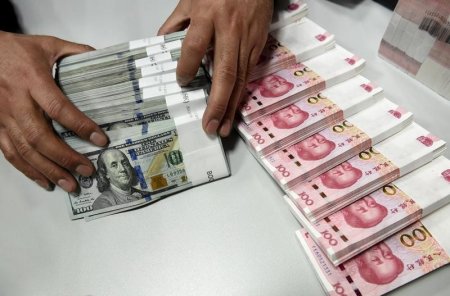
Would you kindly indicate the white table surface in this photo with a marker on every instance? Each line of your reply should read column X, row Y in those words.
column 232, row 237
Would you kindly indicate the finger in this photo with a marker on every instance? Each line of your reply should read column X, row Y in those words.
column 53, row 172
column 194, row 48
column 59, row 108
column 256, row 52
column 226, row 57
column 41, row 138
column 13, row 157
column 177, row 21
column 241, row 80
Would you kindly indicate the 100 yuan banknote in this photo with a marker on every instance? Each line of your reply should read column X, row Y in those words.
column 407, row 255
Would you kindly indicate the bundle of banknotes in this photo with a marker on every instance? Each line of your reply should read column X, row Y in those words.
column 357, row 171
column 417, row 40
column 157, row 146
column 152, row 153
column 414, row 251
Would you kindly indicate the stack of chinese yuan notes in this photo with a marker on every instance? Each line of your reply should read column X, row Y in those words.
column 358, row 172
column 157, row 145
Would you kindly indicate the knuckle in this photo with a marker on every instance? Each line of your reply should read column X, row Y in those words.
column 54, row 108
column 24, row 150
column 236, row 24
column 34, row 136
column 219, row 108
column 66, row 161
column 227, row 74
column 83, row 127
column 52, row 173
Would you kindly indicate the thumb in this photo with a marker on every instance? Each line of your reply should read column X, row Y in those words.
column 177, row 21
column 59, row 48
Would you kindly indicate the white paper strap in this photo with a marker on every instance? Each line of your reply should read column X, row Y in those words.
column 158, row 79
column 153, row 60
column 187, row 111
column 406, row 150
column 146, row 42
column 428, row 186
column 158, row 68
column 160, row 90
column 165, row 47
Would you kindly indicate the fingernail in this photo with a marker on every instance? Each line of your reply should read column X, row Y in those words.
column 64, row 184
column 212, row 126
column 225, row 128
column 84, row 170
column 98, row 139
column 44, row 184
column 182, row 81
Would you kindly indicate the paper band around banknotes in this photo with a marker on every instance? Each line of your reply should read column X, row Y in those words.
column 287, row 13
column 192, row 138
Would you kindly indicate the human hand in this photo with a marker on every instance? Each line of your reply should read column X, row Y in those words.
column 238, row 30
column 29, row 99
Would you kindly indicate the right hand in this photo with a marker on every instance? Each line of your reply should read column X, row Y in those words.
column 29, row 98
column 238, row 31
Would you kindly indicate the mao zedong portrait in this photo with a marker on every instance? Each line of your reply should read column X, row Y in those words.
column 378, row 265
column 273, row 86
column 341, row 176
column 364, row 213
column 314, row 148
column 289, row 117
column 115, row 180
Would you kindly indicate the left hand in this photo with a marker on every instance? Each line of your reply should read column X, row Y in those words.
column 238, row 31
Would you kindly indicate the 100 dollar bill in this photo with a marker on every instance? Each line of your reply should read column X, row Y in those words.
column 129, row 173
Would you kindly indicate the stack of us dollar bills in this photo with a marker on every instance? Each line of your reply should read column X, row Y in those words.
column 157, row 145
